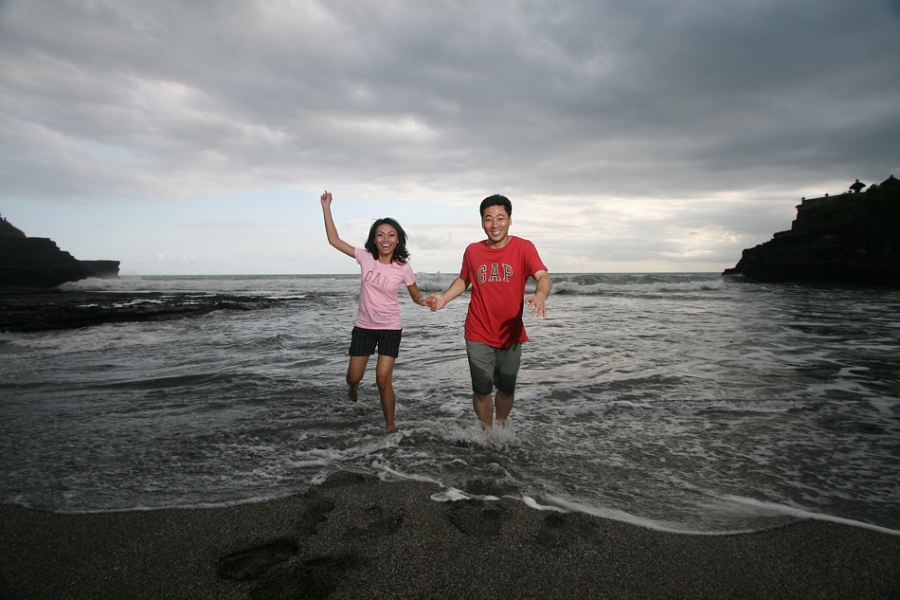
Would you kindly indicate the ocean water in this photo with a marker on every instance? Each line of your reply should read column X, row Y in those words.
column 682, row 402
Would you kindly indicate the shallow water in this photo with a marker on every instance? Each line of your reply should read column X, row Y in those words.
column 686, row 402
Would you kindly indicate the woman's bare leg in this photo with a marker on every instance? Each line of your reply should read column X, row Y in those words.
column 355, row 373
column 384, row 376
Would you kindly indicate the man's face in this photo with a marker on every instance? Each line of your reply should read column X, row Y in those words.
column 495, row 223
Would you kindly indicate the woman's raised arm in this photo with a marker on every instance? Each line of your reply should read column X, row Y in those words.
column 333, row 237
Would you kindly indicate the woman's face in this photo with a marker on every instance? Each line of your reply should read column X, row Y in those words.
column 386, row 240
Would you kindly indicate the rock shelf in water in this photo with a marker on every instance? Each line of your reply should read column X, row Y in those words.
column 44, row 310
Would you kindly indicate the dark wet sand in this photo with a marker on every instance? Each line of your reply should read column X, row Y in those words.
column 356, row 537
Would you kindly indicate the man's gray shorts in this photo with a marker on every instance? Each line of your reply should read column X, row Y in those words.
column 493, row 367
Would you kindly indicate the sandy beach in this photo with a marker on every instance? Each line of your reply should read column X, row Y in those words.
column 358, row 537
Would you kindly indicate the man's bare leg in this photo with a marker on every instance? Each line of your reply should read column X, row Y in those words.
column 503, row 404
column 484, row 409
column 355, row 373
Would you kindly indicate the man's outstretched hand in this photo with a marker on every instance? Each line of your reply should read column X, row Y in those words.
column 537, row 306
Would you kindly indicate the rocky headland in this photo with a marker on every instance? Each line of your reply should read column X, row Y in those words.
column 31, row 299
column 27, row 262
column 850, row 238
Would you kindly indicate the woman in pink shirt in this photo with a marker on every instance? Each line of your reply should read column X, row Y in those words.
column 384, row 268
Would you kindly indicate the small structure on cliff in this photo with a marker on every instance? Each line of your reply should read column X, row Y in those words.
column 39, row 263
column 849, row 238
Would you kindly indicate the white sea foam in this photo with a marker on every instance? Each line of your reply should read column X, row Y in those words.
column 616, row 515
column 804, row 514
column 532, row 503
column 451, row 495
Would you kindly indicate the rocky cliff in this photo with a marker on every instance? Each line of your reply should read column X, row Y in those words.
column 39, row 263
column 853, row 237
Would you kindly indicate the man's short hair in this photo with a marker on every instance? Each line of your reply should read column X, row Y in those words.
column 497, row 200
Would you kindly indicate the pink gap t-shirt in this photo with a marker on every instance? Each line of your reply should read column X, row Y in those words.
column 378, row 305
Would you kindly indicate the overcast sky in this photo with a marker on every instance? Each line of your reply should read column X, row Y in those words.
column 195, row 136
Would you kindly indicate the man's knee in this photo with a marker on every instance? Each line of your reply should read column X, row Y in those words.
column 506, row 383
column 502, row 396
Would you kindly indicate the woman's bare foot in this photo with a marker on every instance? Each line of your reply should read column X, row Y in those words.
column 390, row 429
column 353, row 391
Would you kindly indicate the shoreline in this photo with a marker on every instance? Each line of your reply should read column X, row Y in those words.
column 357, row 537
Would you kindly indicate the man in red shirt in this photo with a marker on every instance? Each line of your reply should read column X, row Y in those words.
column 496, row 268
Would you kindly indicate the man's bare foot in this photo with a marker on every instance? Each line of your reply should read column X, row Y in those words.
column 353, row 391
column 390, row 429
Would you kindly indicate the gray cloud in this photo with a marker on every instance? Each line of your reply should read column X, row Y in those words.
column 583, row 102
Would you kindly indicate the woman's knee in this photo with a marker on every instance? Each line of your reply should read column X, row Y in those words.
column 384, row 380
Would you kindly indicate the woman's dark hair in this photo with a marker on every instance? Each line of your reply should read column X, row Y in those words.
column 401, row 254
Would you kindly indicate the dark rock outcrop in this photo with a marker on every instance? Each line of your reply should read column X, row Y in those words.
column 50, row 309
column 102, row 269
column 39, row 263
column 849, row 238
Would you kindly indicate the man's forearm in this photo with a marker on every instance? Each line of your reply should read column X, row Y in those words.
column 543, row 287
column 456, row 289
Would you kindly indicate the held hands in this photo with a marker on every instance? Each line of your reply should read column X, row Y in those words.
column 435, row 301
column 536, row 304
